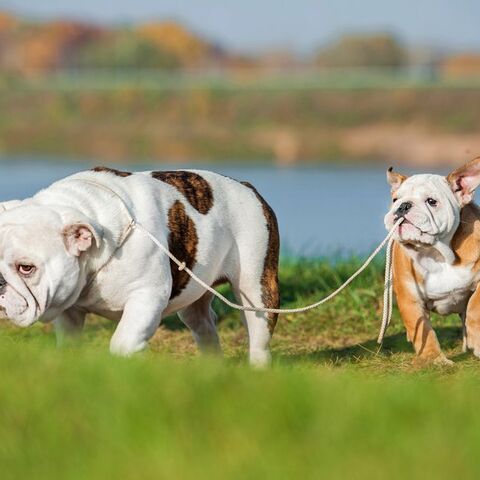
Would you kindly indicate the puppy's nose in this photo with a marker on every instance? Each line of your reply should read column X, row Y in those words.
column 403, row 209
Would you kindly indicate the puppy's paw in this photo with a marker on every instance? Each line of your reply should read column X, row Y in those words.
column 476, row 352
column 423, row 361
column 473, row 344
column 443, row 361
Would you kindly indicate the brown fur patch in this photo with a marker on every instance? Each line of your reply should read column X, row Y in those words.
column 191, row 185
column 182, row 242
column 269, row 280
column 116, row 172
column 395, row 180
column 466, row 241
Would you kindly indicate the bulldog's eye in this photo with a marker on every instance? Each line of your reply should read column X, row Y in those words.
column 25, row 269
column 432, row 202
column 394, row 200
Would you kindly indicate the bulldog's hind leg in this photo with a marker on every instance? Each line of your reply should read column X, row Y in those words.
column 140, row 319
column 257, row 285
column 200, row 318
column 68, row 326
column 260, row 326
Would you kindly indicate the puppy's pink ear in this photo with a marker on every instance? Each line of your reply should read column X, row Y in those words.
column 395, row 179
column 78, row 238
column 464, row 180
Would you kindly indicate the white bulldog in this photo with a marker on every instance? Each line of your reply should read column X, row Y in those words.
column 436, row 257
column 68, row 251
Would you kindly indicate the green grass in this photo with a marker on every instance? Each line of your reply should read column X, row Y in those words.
column 331, row 406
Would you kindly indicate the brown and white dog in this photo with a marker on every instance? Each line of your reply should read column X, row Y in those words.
column 62, row 254
column 436, row 257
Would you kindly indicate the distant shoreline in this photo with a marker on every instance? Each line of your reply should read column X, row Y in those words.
column 421, row 127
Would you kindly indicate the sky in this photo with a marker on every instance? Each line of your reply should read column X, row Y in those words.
column 302, row 25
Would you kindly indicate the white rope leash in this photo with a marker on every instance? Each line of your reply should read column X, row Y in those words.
column 387, row 289
column 388, row 296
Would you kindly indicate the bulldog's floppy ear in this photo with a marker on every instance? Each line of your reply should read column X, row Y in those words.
column 78, row 237
column 464, row 180
column 395, row 179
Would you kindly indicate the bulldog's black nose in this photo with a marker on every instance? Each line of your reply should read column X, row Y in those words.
column 403, row 209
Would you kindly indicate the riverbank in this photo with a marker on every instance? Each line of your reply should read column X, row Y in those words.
column 418, row 126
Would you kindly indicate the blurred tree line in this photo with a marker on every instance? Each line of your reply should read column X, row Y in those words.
column 380, row 50
column 28, row 47
column 125, row 50
column 33, row 47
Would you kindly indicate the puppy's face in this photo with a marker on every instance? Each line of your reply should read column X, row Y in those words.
column 430, row 205
column 39, row 262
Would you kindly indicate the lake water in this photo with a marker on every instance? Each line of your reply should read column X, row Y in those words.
column 320, row 210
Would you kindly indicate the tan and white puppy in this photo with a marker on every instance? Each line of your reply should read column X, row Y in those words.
column 436, row 257
column 54, row 245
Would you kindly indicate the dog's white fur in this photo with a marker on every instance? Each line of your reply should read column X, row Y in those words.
column 426, row 225
column 70, row 229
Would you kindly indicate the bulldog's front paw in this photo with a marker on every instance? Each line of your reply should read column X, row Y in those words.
column 473, row 343
column 423, row 361
column 125, row 347
column 443, row 361
column 475, row 351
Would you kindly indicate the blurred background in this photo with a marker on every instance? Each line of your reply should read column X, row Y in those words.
column 308, row 100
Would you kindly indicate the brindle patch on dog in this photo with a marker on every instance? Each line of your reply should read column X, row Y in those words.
column 182, row 242
column 191, row 185
column 116, row 172
column 269, row 280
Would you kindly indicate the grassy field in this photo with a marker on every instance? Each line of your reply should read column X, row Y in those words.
column 332, row 406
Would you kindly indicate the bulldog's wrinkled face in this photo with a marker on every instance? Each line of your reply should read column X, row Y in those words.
column 39, row 262
column 428, row 207
column 430, row 204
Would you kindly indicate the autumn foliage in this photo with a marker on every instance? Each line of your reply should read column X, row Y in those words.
column 188, row 48
column 29, row 48
column 462, row 65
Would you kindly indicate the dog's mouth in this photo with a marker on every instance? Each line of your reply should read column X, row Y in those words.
column 405, row 223
column 17, row 310
column 409, row 233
